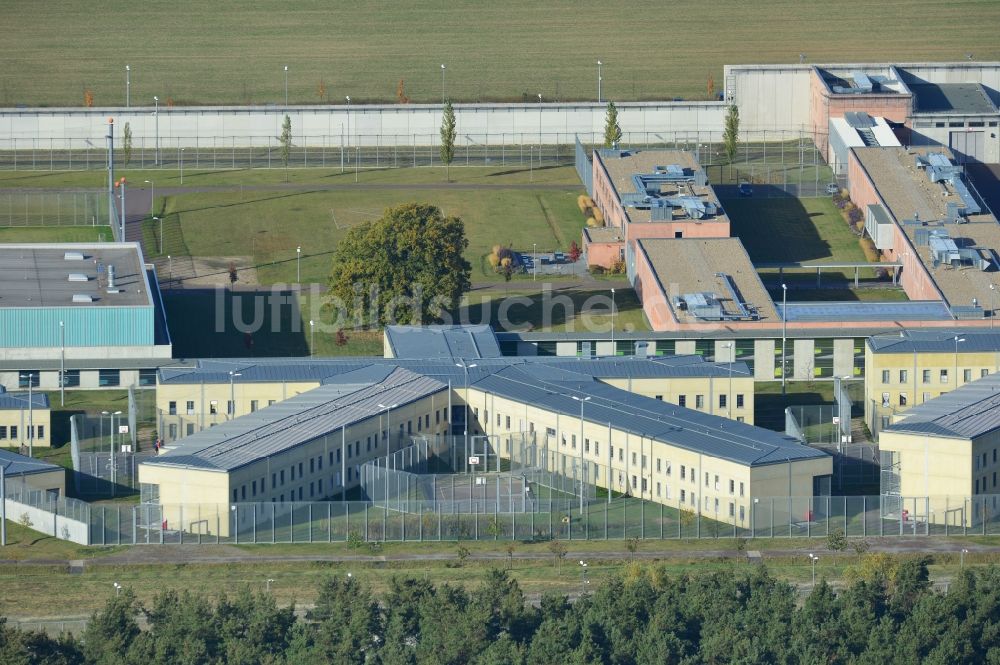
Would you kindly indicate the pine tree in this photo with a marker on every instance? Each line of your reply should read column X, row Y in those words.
column 448, row 138
column 612, row 131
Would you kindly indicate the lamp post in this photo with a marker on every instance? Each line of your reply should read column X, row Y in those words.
column 156, row 116
column 170, row 264
column 813, row 558
column 152, row 197
column 286, row 86
column 599, row 80
column 31, row 412
column 784, row 330
column 348, row 98
column 118, row 589
column 961, row 558
column 62, row 364
column 442, row 83
column 232, row 393
column 614, row 349
column 729, row 397
column 534, row 261
column 128, row 86
column 539, row 130
column 312, row 337
column 388, row 429
column 581, row 400
column 182, row 165
column 583, row 577
column 121, row 217
column 3, row 504
column 993, row 290
column 160, row 237
column 111, row 451
column 466, row 368
column 298, row 264
column 268, row 583
column 957, row 340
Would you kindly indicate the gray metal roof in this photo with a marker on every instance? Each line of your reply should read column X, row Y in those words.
column 21, row 465
column 967, row 412
column 16, row 401
column 38, row 275
column 428, row 342
column 914, row 310
column 327, row 370
column 643, row 416
column 930, row 341
column 298, row 420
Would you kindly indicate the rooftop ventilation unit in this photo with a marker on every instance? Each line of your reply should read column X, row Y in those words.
column 73, row 256
column 82, row 298
column 111, row 277
column 940, row 169
column 861, row 81
column 78, row 277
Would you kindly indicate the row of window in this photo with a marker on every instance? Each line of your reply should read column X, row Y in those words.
column 12, row 430
column 106, row 378
column 926, row 375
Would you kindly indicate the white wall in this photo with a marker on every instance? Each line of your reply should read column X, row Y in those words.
column 49, row 523
column 411, row 124
column 770, row 97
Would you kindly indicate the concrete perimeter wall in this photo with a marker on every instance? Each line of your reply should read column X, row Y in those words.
column 49, row 523
column 369, row 125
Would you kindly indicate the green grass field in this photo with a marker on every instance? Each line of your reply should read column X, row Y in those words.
column 196, row 53
column 55, row 234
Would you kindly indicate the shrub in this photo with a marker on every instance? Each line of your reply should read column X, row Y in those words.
column 582, row 203
column 598, row 215
column 597, row 270
column 868, row 247
column 854, row 215
column 593, row 223
column 618, row 267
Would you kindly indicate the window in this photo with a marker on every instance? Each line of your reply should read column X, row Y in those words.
column 658, row 489
column 706, row 479
column 699, row 401
column 253, row 405
column 967, row 375
column 190, row 407
column 190, row 429
column 716, row 485
column 71, row 378
column 643, row 484
column 683, row 472
column 574, row 441
column 885, row 376
column 319, row 462
column 41, row 431
column 983, row 373
column 312, row 465
column 739, row 401
column 586, row 446
column 230, row 407
column 926, row 376
column 274, row 480
column 732, row 487
column 26, row 377
column 300, row 469
column 507, row 420
column 243, row 492
column 3, row 431
column 659, row 397
column 722, row 401
column 903, row 375
column 732, row 509
column 633, row 459
column 270, row 402
column 741, row 489
column 902, row 399
column 621, row 454
column 682, row 400
column 634, row 483
column 292, row 472
column 683, row 495
column 147, row 377
column 994, row 455
column 944, row 376
column 213, row 407
column 253, row 488
column 108, row 377
column 236, row 496
column 597, row 450
column 742, row 513
column 659, row 468
column 172, row 408
column 668, row 467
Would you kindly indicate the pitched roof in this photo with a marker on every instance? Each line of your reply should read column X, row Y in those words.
column 968, row 412
column 429, row 342
column 929, row 341
column 18, row 465
column 18, row 401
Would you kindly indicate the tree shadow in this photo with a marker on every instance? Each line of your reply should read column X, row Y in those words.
column 546, row 309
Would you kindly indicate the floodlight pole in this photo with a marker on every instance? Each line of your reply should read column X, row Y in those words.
column 442, row 84
column 581, row 400
column 128, row 86
column 614, row 349
column 156, row 117
column 729, row 398
column 466, row 368
column 286, row 86
column 121, row 221
column 312, row 337
column 599, row 80
column 31, row 413
column 62, row 364
column 784, row 335
column 534, row 261
column 152, row 197
column 3, row 505
column 182, row 165
column 388, row 429
column 232, row 392
column 298, row 264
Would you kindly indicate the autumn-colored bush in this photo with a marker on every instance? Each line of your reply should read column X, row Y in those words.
column 868, row 247
column 598, row 215
column 593, row 223
column 618, row 267
column 88, row 98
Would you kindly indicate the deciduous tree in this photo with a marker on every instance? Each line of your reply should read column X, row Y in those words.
column 285, row 140
column 731, row 133
column 127, row 143
column 612, row 131
column 448, row 138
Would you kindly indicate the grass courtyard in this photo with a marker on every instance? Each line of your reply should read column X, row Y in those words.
column 492, row 51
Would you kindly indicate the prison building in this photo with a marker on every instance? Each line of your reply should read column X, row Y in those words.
column 441, row 341
column 306, row 448
column 647, row 448
column 944, row 452
column 25, row 419
column 913, row 367
column 90, row 313
column 28, row 474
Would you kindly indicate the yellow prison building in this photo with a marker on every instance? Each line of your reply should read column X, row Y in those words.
column 912, row 367
column 25, row 420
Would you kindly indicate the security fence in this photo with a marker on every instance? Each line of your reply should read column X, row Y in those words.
column 54, row 208
column 602, row 519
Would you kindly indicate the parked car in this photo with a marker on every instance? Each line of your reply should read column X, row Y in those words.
column 559, row 257
column 832, row 188
column 745, row 189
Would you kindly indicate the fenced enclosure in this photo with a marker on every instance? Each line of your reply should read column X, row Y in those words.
column 478, row 474
column 602, row 519
column 54, row 208
column 788, row 161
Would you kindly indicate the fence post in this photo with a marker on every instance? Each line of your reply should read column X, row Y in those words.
column 310, row 522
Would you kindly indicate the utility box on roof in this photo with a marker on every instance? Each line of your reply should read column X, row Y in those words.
column 879, row 227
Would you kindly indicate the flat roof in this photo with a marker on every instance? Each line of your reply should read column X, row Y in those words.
column 38, row 275
column 298, row 420
column 929, row 341
column 914, row 310
column 620, row 170
column 953, row 98
column 691, row 265
column 458, row 341
column 604, row 234
column 647, row 417
column 967, row 412
column 21, row 465
column 906, row 191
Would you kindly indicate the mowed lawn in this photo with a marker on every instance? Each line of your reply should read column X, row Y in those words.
column 791, row 230
column 55, row 234
column 193, row 52
column 270, row 225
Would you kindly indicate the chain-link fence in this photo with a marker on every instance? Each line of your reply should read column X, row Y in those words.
column 54, row 208
column 106, row 474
